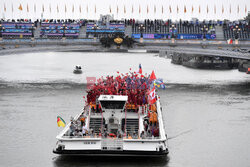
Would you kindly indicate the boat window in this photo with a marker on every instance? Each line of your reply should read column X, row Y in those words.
column 112, row 104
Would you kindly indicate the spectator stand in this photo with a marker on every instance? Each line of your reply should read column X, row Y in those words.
column 59, row 30
column 16, row 30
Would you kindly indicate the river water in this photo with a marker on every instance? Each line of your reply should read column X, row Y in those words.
column 206, row 112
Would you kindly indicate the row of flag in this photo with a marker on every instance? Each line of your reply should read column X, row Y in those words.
column 170, row 8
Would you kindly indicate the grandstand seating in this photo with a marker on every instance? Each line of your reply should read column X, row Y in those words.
column 59, row 30
column 17, row 29
column 184, row 30
column 243, row 34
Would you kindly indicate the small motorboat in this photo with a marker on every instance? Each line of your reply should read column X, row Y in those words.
column 77, row 70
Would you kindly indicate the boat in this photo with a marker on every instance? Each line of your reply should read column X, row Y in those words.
column 77, row 70
column 117, row 120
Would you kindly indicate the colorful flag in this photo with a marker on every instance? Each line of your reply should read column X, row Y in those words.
column 60, row 122
column 199, row 9
column 151, row 96
column 185, row 9
column 222, row 10
column 192, row 8
column 245, row 8
column 20, row 7
column 159, row 83
column 170, row 9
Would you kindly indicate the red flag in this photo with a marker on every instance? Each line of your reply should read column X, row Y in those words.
column 152, row 76
column 151, row 96
column 199, row 9
column 185, row 9
column 140, row 69
column 192, row 8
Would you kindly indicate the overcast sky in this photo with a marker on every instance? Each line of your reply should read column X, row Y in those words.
column 103, row 7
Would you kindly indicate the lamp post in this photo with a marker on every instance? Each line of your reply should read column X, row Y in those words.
column 141, row 29
column 172, row 30
column 236, row 31
column 204, row 30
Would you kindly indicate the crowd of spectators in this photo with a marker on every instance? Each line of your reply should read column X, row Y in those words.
column 237, row 30
column 70, row 28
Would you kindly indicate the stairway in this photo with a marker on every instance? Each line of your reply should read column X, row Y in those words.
column 128, row 31
column 37, row 31
column 219, row 33
column 132, row 125
column 95, row 124
column 82, row 32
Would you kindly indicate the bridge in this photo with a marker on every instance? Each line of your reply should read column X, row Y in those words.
column 191, row 47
